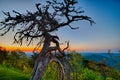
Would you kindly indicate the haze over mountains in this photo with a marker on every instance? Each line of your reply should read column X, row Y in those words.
column 99, row 57
column 111, row 60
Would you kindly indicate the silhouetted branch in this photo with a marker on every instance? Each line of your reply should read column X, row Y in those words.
column 73, row 28
column 66, row 46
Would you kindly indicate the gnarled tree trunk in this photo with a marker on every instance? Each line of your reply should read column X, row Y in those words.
column 45, row 57
column 41, row 61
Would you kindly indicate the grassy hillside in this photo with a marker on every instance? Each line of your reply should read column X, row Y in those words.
column 12, row 74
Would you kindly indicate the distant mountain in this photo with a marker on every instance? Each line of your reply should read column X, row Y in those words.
column 99, row 57
column 29, row 54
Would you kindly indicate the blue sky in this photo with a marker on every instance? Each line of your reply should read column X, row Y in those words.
column 103, row 35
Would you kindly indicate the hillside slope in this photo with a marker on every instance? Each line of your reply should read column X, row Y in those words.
column 12, row 74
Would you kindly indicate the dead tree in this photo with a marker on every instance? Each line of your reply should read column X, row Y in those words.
column 39, row 25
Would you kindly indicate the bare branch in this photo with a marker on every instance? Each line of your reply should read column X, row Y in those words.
column 66, row 46
column 72, row 27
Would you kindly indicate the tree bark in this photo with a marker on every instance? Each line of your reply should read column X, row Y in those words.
column 42, row 60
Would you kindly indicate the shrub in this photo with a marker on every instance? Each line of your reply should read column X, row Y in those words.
column 90, row 75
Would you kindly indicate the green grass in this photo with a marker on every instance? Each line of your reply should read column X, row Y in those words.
column 12, row 74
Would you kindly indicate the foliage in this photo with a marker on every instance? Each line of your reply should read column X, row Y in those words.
column 52, row 72
column 17, row 66
column 88, row 74
column 79, row 72
column 112, row 73
column 16, row 59
column 33, row 59
column 3, row 55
